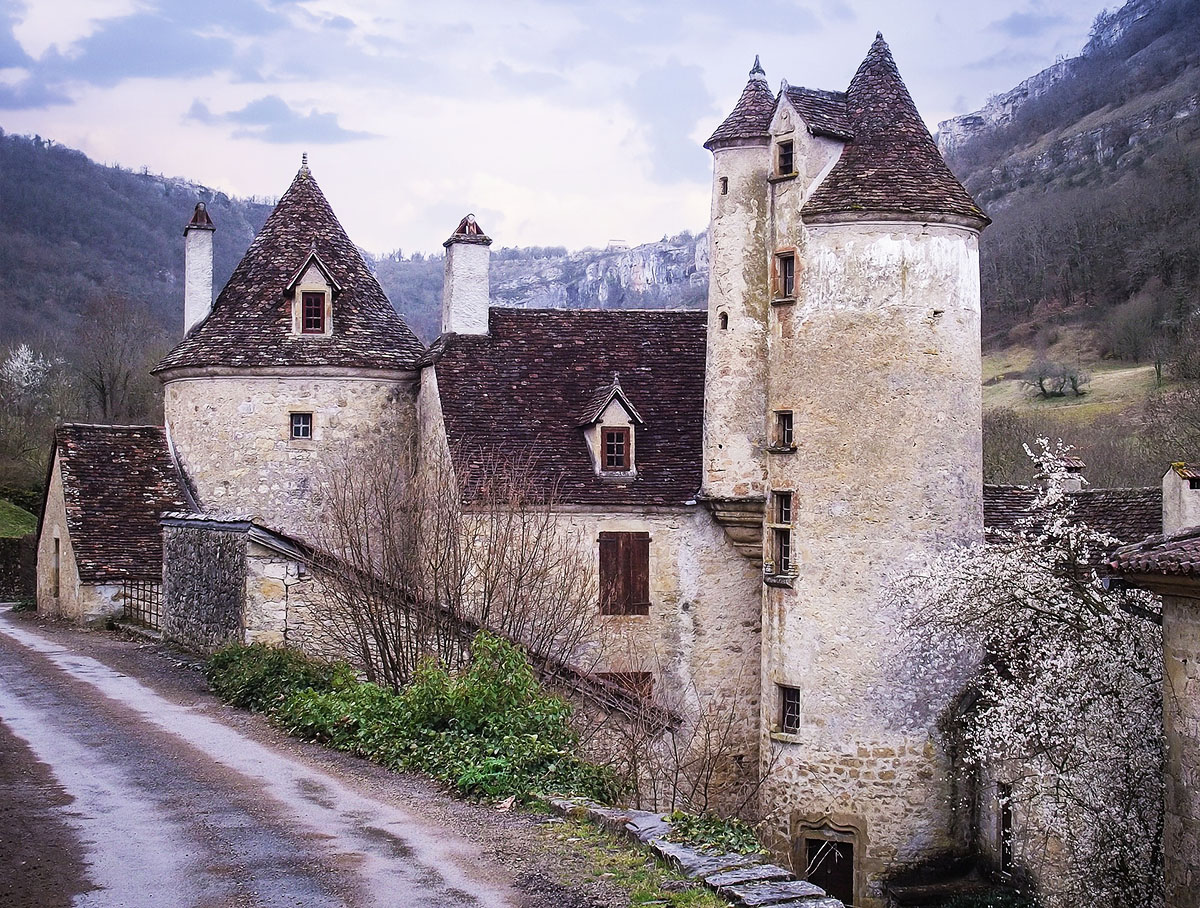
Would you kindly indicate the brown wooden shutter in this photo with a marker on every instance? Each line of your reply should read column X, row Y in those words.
column 612, row 576
column 638, row 554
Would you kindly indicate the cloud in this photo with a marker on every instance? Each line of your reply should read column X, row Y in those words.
column 29, row 95
column 526, row 81
column 1027, row 25
column 11, row 52
column 1007, row 58
column 271, row 119
column 668, row 101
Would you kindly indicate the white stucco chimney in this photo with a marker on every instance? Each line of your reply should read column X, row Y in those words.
column 465, row 290
column 1181, row 497
column 197, row 268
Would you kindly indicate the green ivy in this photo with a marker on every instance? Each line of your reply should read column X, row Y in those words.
column 712, row 833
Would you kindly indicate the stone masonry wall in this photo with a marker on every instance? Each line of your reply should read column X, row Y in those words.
column 233, row 437
column 879, row 361
column 285, row 604
column 204, row 585
column 1181, row 829
column 54, row 526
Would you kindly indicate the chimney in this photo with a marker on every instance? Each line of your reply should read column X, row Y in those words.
column 1181, row 497
column 465, row 292
column 197, row 268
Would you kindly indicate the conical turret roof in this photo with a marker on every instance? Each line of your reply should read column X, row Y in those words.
column 751, row 116
column 892, row 164
column 250, row 325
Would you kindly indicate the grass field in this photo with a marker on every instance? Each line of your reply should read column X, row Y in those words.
column 15, row 521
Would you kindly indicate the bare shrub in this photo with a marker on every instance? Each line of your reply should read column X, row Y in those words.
column 422, row 556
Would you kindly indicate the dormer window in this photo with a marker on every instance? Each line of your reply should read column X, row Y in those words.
column 312, row 290
column 313, row 314
column 616, row 448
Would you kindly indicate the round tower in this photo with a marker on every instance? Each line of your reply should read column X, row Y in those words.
column 738, row 302
column 301, row 360
column 875, row 360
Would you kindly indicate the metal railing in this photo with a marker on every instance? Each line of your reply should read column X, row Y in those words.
column 142, row 602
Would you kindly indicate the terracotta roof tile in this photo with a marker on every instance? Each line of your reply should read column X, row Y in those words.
column 117, row 481
column 1178, row 555
column 522, row 388
column 751, row 116
column 892, row 163
column 251, row 324
column 824, row 111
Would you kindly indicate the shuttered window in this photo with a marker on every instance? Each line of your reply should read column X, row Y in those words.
column 624, row 573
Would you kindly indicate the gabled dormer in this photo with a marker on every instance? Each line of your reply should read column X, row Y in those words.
column 609, row 424
column 312, row 290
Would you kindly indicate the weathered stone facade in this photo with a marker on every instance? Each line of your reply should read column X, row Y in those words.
column 1181, row 708
column 232, row 434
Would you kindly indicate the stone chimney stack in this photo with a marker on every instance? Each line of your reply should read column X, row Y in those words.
column 197, row 268
column 1181, row 497
column 465, row 290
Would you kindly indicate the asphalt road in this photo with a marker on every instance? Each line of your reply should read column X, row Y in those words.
column 113, row 794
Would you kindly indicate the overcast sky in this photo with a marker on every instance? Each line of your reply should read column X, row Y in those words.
column 556, row 122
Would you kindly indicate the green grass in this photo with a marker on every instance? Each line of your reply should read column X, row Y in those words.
column 647, row 880
column 15, row 521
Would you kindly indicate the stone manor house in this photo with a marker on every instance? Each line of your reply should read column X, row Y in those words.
column 747, row 476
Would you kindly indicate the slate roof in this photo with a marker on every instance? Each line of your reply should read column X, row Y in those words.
column 251, row 322
column 892, row 163
column 1127, row 514
column 117, row 481
column 824, row 111
column 751, row 116
column 1178, row 555
column 521, row 390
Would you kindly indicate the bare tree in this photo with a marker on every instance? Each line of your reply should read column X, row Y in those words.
column 421, row 554
column 117, row 342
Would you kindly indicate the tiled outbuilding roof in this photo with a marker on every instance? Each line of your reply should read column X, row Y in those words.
column 251, row 322
column 1177, row 555
column 521, row 389
column 824, row 111
column 117, row 481
column 892, row 164
column 751, row 116
column 1127, row 514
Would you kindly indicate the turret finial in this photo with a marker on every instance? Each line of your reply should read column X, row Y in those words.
column 304, row 162
column 756, row 70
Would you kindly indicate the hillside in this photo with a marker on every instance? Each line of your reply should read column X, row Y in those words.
column 1091, row 171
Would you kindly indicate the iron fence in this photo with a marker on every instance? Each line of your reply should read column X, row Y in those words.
column 142, row 602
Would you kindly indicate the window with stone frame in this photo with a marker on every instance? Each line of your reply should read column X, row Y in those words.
column 785, row 436
column 786, row 159
column 302, row 426
column 785, row 275
column 312, row 312
column 789, row 709
column 615, row 456
column 780, row 522
column 624, row 573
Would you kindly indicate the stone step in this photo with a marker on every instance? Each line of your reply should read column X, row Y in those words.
column 760, row 895
column 755, row 873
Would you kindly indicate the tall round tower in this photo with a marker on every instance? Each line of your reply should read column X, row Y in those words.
column 735, row 384
column 301, row 359
column 866, row 297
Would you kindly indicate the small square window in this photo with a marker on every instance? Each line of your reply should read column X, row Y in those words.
column 312, row 312
column 787, row 158
column 301, row 425
column 616, row 449
column 785, row 274
column 784, row 434
column 789, row 713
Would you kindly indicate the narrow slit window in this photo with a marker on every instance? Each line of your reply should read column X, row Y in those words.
column 302, row 425
column 616, row 449
column 55, row 579
column 784, row 433
column 313, row 312
column 723, row 321
column 787, row 158
column 724, row 185
column 785, row 269
column 783, row 507
column 789, row 713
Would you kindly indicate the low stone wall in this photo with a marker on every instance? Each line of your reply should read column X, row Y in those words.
column 18, row 567
column 204, row 586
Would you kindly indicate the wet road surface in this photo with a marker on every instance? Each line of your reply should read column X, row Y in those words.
column 113, row 795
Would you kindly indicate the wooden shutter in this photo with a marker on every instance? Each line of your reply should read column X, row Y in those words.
column 624, row 573
column 638, row 561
